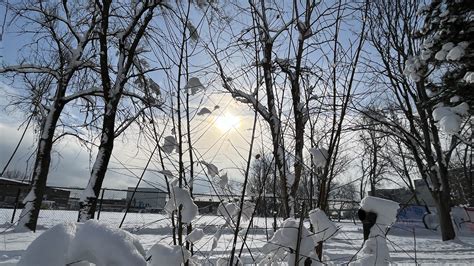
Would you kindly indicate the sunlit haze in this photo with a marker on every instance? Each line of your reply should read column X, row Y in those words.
column 227, row 122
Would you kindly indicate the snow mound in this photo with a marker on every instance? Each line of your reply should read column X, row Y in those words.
column 101, row 245
column 81, row 243
column 323, row 227
column 224, row 261
column 51, row 248
column 374, row 252
column 169, row 255
column 461, row 109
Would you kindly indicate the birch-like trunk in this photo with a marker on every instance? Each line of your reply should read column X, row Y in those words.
column 29, row 215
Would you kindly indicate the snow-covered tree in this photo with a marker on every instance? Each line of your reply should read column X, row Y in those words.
column 408, row 111
column 120, row 30
column 448, row 53
column 59, row 52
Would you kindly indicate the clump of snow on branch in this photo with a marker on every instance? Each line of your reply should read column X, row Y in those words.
column 195, row 235
column 469, row 77
column 194, row 85
column 413, row 67
column 455, row 53
column 223, row 180
column 204, row 111
column 81, row 243
column 161, row 254
column 169, row 144
column 283, row 244
column 228, row 210
column 320, row 156
column 323, row 227
column 181, row 197
column 212, row 170
column 166, row 172
column 215, row 238
column 375, row 250
column 449, row 118
column 247, row 210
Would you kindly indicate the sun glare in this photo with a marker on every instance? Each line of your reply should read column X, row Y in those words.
column 227, row 122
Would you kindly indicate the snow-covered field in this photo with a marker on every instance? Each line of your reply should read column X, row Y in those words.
column 424, row 247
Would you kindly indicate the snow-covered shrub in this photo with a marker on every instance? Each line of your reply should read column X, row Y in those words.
column 51, row 247
column 102, row 245
column 375, row 249
column 323, row 227
column 283, row 244
column 81, row 243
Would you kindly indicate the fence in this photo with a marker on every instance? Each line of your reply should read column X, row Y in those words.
column 61, row 204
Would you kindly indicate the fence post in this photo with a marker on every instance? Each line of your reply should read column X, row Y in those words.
column 16, row 204
column 100, row 203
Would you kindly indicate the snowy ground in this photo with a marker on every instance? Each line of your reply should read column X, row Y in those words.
column 151, row 228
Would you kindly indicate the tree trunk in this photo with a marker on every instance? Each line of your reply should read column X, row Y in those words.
column 445, row 222
column 89, row 199
column 29, row 214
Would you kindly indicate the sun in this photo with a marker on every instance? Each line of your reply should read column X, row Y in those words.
column 227, row 122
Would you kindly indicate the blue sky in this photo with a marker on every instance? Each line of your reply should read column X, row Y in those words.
column 71, row 162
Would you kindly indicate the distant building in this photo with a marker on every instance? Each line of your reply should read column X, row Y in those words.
column 147, row 199
column 207, row 204
column 10, row 189
column 423, row 192
column 405, row 196
column 400, row 195
column 107, row 205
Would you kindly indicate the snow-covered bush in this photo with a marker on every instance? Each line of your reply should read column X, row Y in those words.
column 323, row 227
column 51, row 247
column 283, row 244
column 375, row 249
column 81, row 243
